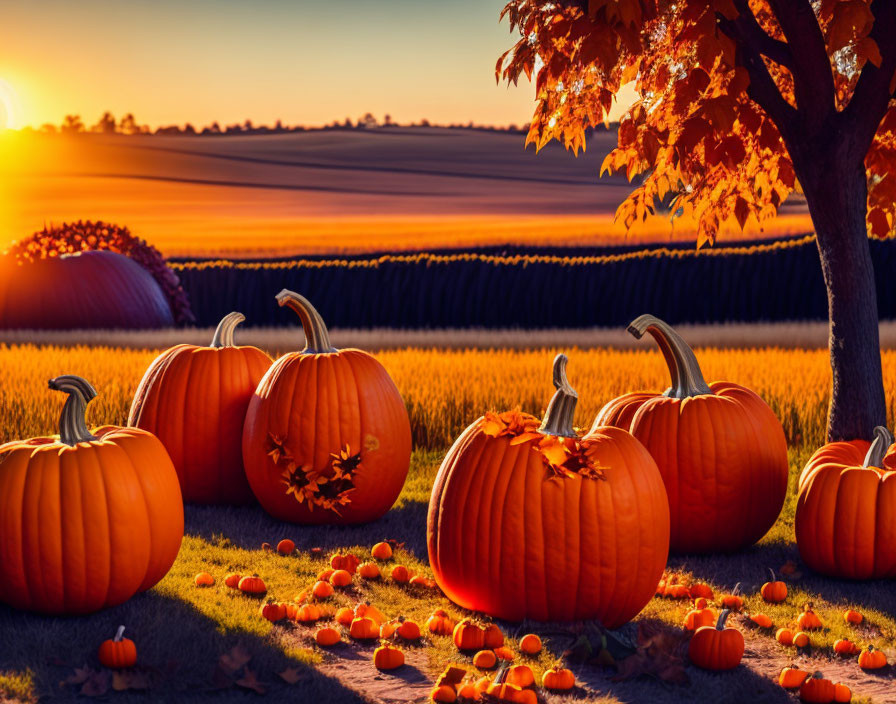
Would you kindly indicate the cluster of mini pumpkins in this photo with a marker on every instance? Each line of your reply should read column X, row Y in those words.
column 717, row 646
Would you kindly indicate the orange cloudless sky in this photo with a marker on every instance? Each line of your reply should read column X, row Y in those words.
column 171, row 62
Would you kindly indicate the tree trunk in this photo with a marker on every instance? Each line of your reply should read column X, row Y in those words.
column 837, row 195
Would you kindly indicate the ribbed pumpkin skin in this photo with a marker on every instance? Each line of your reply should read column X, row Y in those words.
column 320, row 403
column 506, row 540
column 89, row 526
column 96, row 289
column 194, row 399
column 846, row 513
column 723, row 458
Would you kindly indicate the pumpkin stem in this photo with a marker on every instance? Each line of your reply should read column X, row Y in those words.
column 772, row 573
column 883, row 438
column 558, row 418
column 73, row 419
column 720, row 624
column 317, row 338
column 224, row 332
column 687, row 379
column 736, row 589
column 118, row 634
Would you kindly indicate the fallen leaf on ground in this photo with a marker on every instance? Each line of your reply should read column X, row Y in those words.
column 291, row 675
column 250, row 681
column 79, row 676
column 129, row 679
column 235, row 658
column 96, row 685
column 660, row 654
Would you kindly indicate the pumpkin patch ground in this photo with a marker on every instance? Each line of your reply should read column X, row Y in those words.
column 212, row 643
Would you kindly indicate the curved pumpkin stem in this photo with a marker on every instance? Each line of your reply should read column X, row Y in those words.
column 119, row 634
column 73, row 419
column 772, row 573
column 317, row 338
column 687, row 379
column 561, row 410
column 883, row 438
column 224, row 332
column 720, row 624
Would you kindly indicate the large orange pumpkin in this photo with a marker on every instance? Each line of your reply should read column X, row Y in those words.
column 327, row 437
column 846, row 509
column 89, row 518
column 719, row 447
column 194, row 399
column 529, row 520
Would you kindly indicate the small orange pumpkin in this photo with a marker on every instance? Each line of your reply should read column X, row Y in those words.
column 387, row 629
column 368, row 610
column 717, row 647
column 232, row 580
column 700, row 603
column 345, row 616
column 853, row 617
column 400, row 574
column 817, row 690
column 409, row 630
column 253, row 586
column 701, row 590
column 468, row 636
column 762, row 620
column 388, row 657
column 286, row 547
column 842, row 694
column 801, row 639
column 733, row 601
column 792, row 677
column 558, row 679
column 324, row 575
column 774, row 591
column 364, row 628
column 340, row 578
column 203, row 579
column 307, row 613
column 872, row 659
column 520, row 675
column 327, row 636
column 348, row 562
column 369, row 570
column 440, row 623
column 808, row 620
column 443, row 693
column 697, row 618
column 469, row 692
column 844, row 646
column 492, row 636
column 118, row 652
column 508, row 692
column 322, row 590
column 485, row 659
column 273, row 611
column 530, row 644
column 784, row 636
column 381, row 551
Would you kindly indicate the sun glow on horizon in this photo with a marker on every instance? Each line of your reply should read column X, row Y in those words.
column 10, row 107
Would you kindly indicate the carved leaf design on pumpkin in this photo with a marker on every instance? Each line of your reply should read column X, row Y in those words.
column 328, row 488
column 564, row 457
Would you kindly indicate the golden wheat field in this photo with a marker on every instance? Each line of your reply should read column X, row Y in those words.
column 446, row 389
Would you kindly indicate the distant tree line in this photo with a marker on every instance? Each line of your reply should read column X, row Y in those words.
column 128, row 125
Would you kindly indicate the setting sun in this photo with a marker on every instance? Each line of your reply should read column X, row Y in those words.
column 10, row 112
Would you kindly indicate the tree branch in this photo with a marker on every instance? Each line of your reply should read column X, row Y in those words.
column 813, row 80
column 871, row 97
column 751, row 31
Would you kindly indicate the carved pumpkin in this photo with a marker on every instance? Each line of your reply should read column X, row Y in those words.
column 327, row 437
column 510, row 486
column 118, row 652
column 717, row 647
column 194, row 399
column 846, row 509
column 774, row 591
column 719, row 447
column 110, row 498
column 95, row 289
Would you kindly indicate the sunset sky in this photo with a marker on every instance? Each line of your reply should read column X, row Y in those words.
column 176, row 61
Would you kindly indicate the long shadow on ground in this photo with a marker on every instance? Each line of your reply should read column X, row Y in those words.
column 178, row 650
